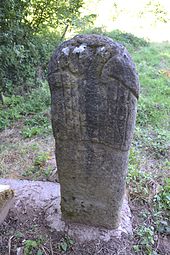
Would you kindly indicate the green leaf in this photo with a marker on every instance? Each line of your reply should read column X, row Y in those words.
column 64, row 246
column 39, row 252
column 136, row 248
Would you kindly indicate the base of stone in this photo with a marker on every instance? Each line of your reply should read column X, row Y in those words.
column 88, row 233
column 37, row 195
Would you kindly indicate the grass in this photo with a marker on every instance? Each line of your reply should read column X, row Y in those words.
column 148, row 178
column 21, row 158
column 32, row 109
column 153, row 66
column 151, row 194
column 39, row 167
column 25, row 127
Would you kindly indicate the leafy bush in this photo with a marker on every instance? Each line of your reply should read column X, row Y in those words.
column 25, row 65
column 26, row 41
column 127, row 39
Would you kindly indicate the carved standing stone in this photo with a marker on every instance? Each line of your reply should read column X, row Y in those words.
column 94, row 90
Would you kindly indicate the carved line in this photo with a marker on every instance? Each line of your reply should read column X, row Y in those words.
column 119, row 80
column 124, row 85
column 119, row 148
column 117, row 108
column 65, row 113
column 127, row 118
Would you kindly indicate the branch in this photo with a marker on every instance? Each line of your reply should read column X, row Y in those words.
column 64, row 33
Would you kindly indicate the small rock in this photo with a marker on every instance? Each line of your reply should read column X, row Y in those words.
column 6, row 197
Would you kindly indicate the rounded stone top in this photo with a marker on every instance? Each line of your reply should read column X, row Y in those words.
column 92, row 40
column 116, row 61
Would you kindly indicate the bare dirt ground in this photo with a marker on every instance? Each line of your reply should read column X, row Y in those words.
column 51, row 243
column 15, row 232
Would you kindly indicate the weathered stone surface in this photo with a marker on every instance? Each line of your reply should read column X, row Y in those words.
column 6, row 196
column 94, row 89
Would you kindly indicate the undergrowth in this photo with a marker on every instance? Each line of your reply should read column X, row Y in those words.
column 31, row 109
column 152, row 193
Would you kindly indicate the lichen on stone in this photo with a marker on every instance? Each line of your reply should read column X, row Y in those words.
column 80, row 49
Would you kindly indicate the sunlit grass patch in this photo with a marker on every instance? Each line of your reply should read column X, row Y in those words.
column 21, row 157
column 153, row 106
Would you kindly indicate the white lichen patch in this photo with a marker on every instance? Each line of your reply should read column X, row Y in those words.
column 66, row 51
column 102, row 48
column 80, row 49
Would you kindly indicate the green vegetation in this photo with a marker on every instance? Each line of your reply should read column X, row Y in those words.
column 39, row 167
column 27, row 44
column 32, row 108
column 149, row 186
column 65, row 244
column 37, row 246
column 33, row 247
column 152, row 193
